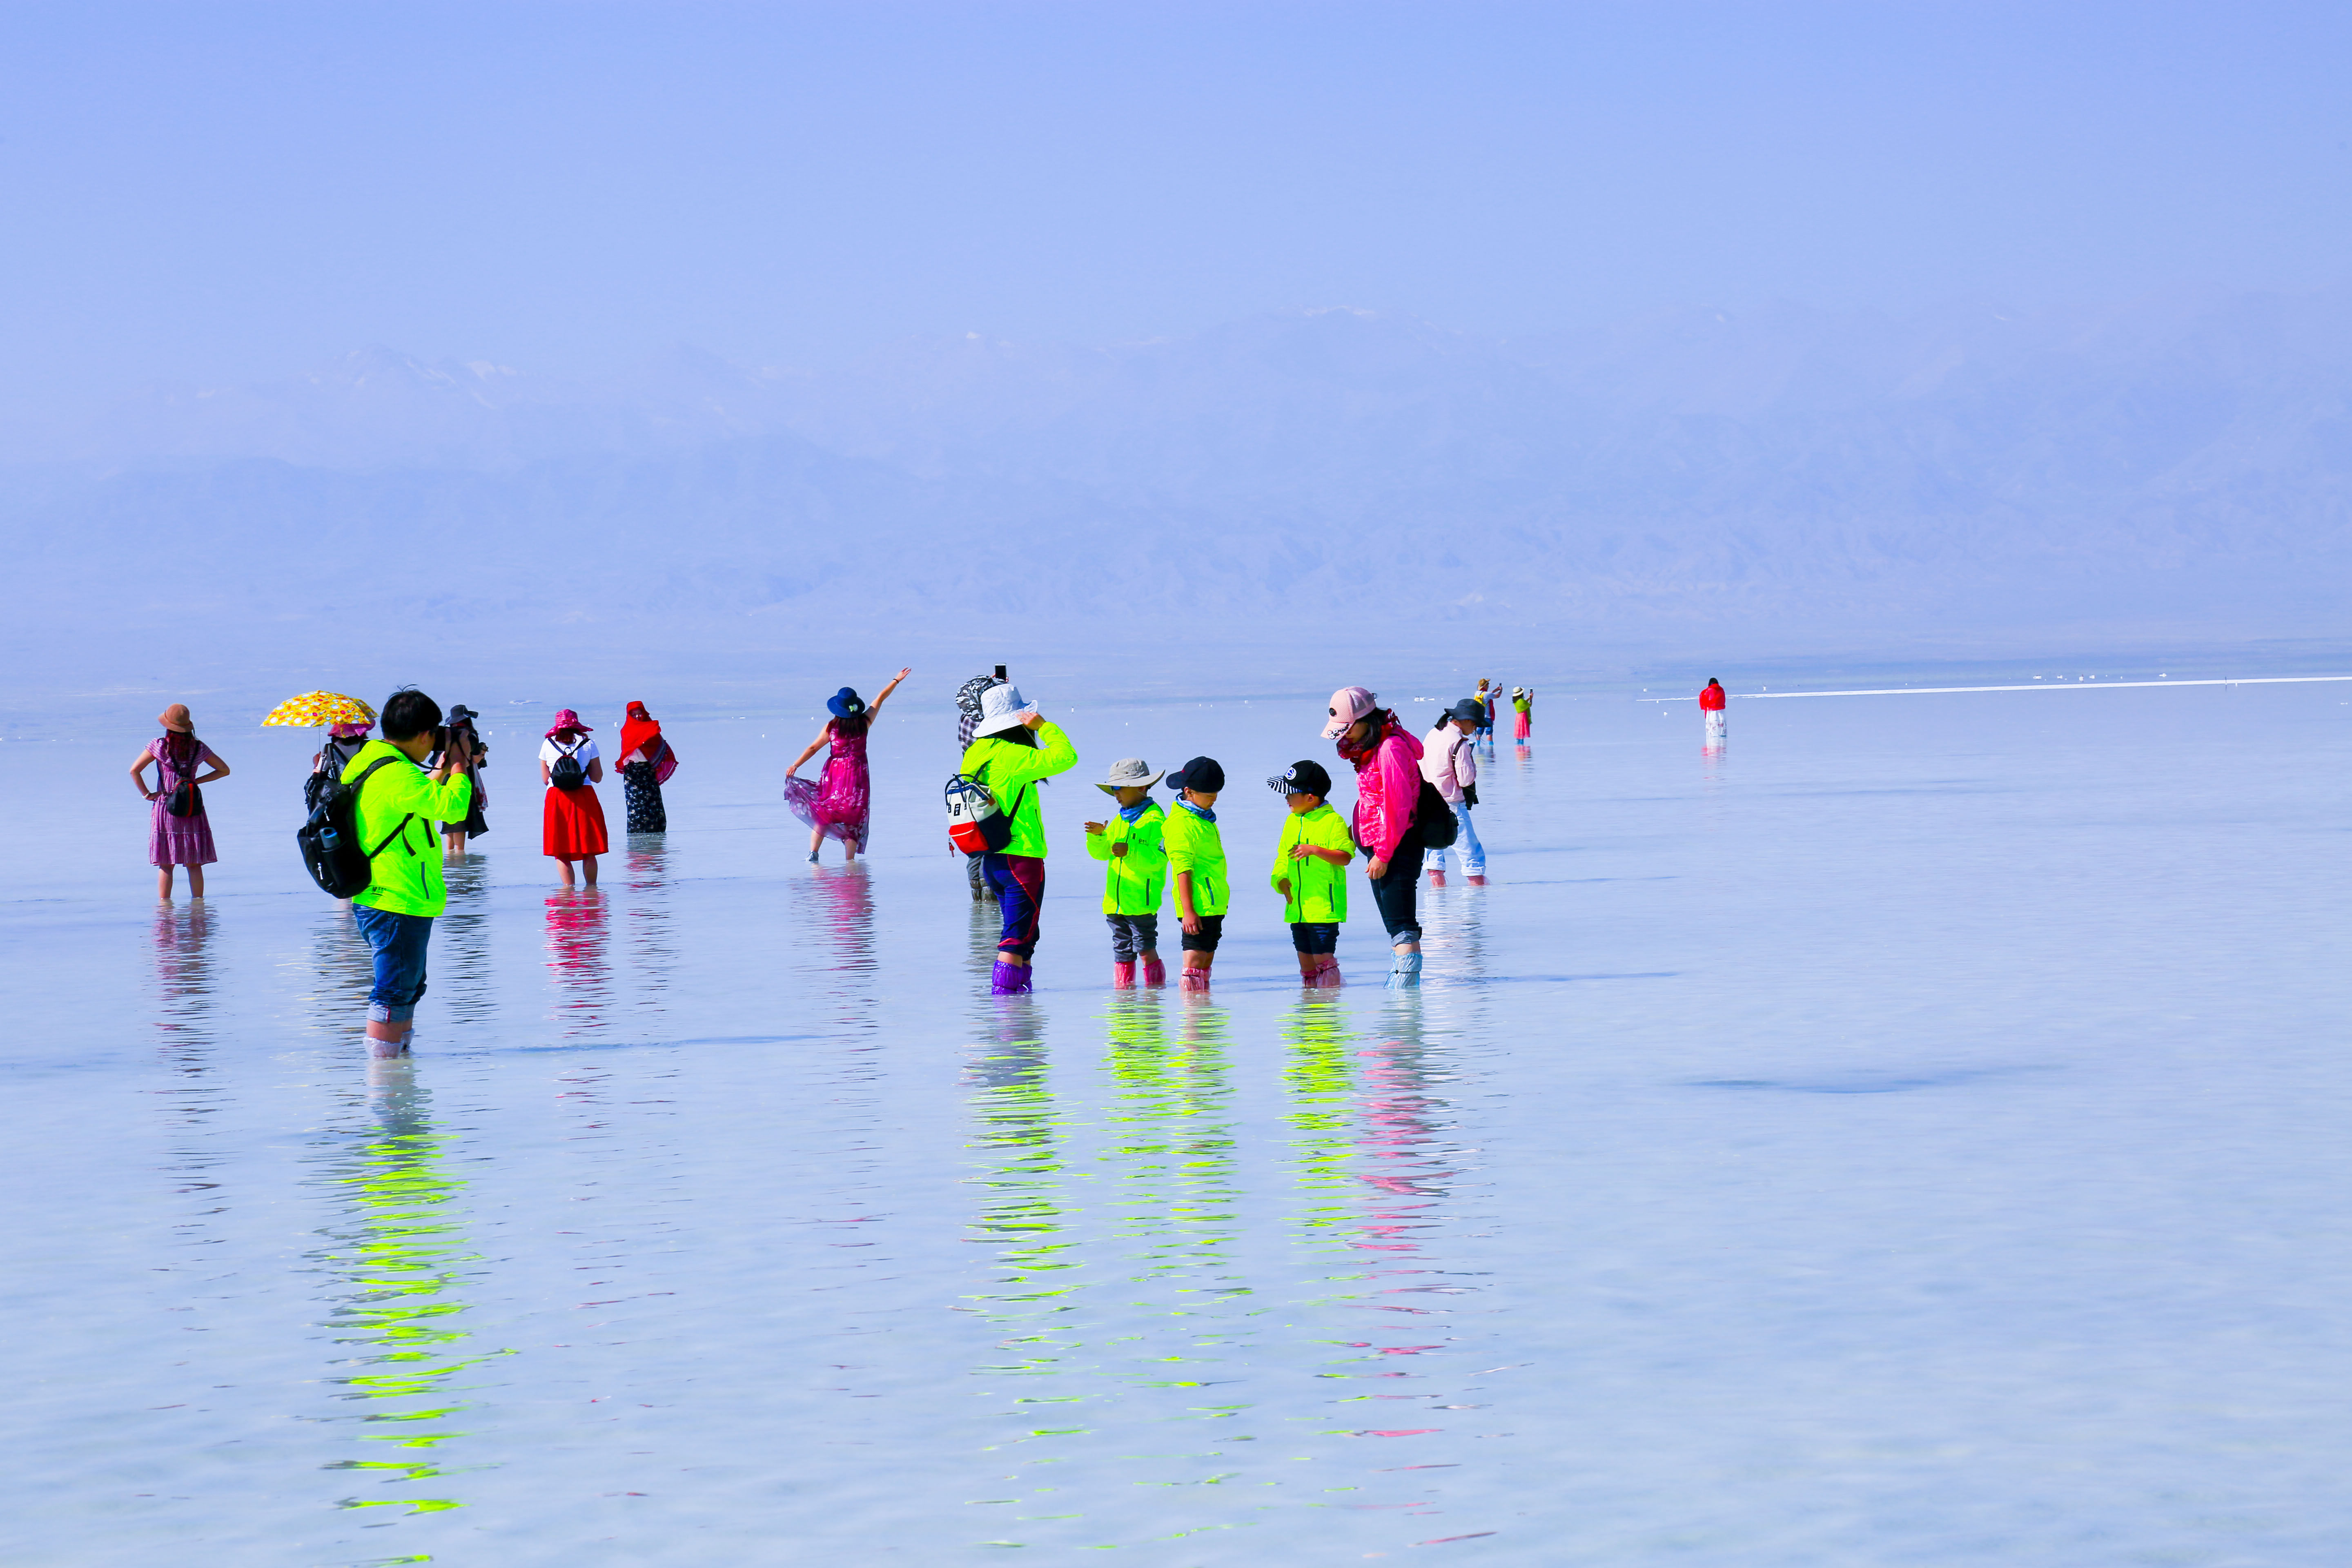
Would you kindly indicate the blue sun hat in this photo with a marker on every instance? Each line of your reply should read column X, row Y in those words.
column 844, row 704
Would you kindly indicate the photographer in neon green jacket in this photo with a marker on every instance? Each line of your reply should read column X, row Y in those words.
column 395, row 813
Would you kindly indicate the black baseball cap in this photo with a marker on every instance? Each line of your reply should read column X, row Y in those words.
column 1201, row 773
column 1307, row 777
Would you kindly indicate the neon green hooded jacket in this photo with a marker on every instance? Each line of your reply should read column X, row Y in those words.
column 1011, row 772
column 1318, row 890
column 405, row 875
column 1194, row 844
column 1133, row 883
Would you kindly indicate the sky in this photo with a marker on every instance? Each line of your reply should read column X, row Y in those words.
column 221, row 193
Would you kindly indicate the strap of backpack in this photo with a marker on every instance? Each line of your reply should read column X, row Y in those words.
column 1012, row 812
column 358, row 784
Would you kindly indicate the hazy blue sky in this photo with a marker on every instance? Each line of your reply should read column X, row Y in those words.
column 227, row 192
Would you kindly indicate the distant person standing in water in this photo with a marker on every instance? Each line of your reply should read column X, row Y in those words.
column 394, row 815
column 1387, row 760
column 1710, row 705
column 476, row 820
column 1523, row 702
column 1449, row 761
column 1015, row 749
column 180, row 834
column 572, row 826
column 840, row 804
column 334, row 755
column 968, row 698
column 646, row 762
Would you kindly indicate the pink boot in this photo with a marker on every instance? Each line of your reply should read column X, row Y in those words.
column 1195, row 980
column 1155, row 974
column 1122, row 976
column 1329, row 978
column 1437, row 878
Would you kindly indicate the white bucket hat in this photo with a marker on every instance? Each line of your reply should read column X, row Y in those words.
column 1126, row 772
column 1002, row 708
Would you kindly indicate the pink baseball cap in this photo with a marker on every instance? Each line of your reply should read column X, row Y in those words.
column 1349, row 704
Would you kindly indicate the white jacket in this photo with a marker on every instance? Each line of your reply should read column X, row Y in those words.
column 1449, row 759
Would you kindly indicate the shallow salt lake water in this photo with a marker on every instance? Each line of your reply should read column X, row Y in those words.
column 1917, row 1135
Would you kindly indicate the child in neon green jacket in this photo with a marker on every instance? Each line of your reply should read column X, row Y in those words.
column 1133, row 875
column 1310, row 871
column 1196, row 862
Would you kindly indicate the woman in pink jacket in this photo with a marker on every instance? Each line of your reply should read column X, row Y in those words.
column 1388, row 788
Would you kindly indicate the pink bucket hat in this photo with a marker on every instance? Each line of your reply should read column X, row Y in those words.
column 1349, row 704
column 566, row 718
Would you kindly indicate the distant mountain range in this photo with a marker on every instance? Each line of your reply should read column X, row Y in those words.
column 2183, row 463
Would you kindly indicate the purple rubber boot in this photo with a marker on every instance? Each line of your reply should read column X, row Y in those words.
column 1008, row 979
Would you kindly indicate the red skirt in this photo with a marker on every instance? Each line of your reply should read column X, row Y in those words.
column 575, row 824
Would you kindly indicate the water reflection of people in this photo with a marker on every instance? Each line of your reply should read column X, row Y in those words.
column 463, row 974
column 839, row 902
column 1317, row 1073
column 183, row 972
column 645, row 895
column 1014, row 1123
column 400, row 1259
column 578, row 933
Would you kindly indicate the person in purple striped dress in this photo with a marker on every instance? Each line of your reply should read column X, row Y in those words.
column 184, row 840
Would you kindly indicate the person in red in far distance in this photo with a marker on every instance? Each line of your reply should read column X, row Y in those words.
column 1710, row 703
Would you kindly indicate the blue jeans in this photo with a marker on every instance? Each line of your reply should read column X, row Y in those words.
column 1465, row 840
column 399, row 942
column 1019, row 884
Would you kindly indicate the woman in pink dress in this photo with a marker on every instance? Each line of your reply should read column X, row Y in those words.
column 837, row 803
column 185, row 839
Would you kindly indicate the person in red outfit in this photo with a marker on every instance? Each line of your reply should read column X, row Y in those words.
column 572, row 826
column 1710, row 703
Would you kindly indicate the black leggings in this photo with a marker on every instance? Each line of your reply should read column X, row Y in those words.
column 1398, row 893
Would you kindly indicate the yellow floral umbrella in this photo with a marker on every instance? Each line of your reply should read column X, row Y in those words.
column 314, row 708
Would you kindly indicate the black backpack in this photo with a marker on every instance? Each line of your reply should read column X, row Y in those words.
column 329, row 841
column 185, row 799
column 1434, row 816
column 566, row 772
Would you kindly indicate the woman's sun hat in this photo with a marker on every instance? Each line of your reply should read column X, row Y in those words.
column 566, row 718
column 1305, row 776
column 1518, row 691
column 1002, row 708
column 844, row 704
column 176, row 717
column 1349, row 704
column 1129, row 773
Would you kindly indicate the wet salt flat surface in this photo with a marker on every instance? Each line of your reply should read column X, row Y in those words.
column 1917, row 1135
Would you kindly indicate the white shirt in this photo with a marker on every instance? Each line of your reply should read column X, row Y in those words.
column 1444, row 745
column 583, row 748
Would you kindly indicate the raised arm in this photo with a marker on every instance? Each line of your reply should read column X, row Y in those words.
column 884, row 695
